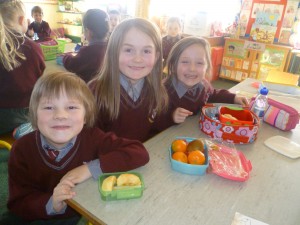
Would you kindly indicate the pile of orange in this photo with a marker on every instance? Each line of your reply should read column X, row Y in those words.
column 191, row 153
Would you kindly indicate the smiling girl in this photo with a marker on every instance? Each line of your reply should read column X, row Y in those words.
column 189, row 66
column 129, row 90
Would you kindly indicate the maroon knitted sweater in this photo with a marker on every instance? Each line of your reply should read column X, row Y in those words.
column 17, row 85
column 134, row 120
column 192, row 102
column 43, row 29
column 87, row 62
column 167, row 45
column 33, row 176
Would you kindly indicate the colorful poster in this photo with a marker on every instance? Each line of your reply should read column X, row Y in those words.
column 262, row 33
column 267, row 18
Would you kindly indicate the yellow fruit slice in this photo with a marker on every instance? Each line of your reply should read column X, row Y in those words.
column 108, row 183
column 128, row 179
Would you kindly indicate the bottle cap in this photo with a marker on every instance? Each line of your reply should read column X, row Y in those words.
column 264, row 91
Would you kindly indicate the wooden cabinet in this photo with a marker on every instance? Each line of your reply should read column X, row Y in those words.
column 243, row 59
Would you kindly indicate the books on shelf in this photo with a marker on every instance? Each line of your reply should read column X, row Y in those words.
column 294, row 66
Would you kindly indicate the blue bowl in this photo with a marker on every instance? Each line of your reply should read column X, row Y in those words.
column 189, row 168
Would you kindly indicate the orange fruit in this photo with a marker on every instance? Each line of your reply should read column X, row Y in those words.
column 196, row 157
column 180, row 156
column 179, row 145
column 196, row 144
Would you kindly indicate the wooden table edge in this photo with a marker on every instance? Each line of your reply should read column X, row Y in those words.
column 86, row 214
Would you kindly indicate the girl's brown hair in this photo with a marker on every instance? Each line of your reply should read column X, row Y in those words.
column 180, row 46
column 52, row 85
column 107, row 82
column 10, row 37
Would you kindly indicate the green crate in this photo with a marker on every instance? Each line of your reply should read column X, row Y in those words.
column 51, row 51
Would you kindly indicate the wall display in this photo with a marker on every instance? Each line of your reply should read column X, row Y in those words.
column 288, row 22
column 264, row 28
column 243, row 59
column 283, row 8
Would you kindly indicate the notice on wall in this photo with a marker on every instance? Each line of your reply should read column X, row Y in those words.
column 197, row 24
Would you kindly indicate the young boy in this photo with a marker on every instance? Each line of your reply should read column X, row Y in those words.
column 65, row 150
column 38, row 26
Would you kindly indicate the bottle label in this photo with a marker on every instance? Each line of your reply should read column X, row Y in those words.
column 259, row 112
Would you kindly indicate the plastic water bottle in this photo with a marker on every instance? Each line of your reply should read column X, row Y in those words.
column 35, row 37
column 260, row 103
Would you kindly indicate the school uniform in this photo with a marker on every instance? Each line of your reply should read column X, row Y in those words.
column 17, row 85
column 88, row 60
column 134, row 120
column 42, row 29
column 192, row 99
column 167, row 44
column 33, row 174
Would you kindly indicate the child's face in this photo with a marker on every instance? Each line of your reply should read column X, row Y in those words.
column 37, row 17
column 137, row 55
column 192, row 65
column 60, row 119
column 114, row 21
column 173, row 29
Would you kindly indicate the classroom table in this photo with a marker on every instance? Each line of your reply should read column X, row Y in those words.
column 52, row 66
column 271, row 195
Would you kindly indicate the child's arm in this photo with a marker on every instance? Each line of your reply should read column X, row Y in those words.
column 241, row 101
column 180, row 114
column 62, row 192
column 30, row 31
column 119, row 154
column 78, row 174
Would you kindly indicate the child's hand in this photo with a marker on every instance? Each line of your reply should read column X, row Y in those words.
column 180, row 114
column 30, row 32
column 78, row 174
column 62, row 192
column 241, row 101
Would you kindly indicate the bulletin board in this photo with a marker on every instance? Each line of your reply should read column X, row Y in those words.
column 273, row 6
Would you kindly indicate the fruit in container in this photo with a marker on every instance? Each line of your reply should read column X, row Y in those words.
column 180, row 156
column 194, row 145
column 109, row 183
column 128, row 179
column 179, row 145
column 196, row 157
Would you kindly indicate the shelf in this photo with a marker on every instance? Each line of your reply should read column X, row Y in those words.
column 71, row 24
column 70, row 12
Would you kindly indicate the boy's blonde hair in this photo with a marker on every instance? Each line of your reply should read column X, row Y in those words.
column 11, row 39
column 53, row 84
column 180, row 46
column 107, row 82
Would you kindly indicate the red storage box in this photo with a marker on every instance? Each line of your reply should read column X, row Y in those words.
column 210, row 124
column 216, row 60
